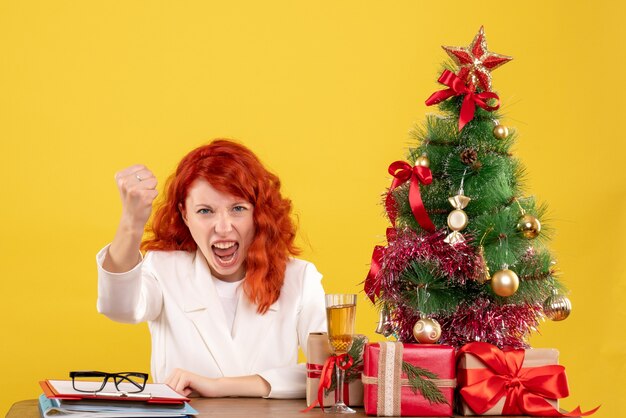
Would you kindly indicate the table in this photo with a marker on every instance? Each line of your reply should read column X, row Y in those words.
column 221, row 407
column 216, row 407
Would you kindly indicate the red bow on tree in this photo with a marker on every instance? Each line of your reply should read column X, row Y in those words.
column 403, row 172
column 458, row 88
column 526, row 389
column 372, row 283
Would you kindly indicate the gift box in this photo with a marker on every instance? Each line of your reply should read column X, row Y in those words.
column 495, row 382
column 408, row 379
column 318, row 351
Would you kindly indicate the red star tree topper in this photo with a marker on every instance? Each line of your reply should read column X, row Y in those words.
column 476, row 62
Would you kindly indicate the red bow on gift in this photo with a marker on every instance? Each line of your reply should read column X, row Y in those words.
column 471, row 100
column 526, row 389
column 343, row 361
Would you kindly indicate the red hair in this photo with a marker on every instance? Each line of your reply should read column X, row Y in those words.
column 234, row 169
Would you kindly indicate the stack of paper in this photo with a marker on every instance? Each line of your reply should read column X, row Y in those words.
column 107, row 409
column 156, row 400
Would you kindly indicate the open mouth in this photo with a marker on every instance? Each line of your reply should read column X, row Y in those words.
column 225, row 252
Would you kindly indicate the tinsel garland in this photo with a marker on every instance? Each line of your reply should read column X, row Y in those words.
column 505, row 326
column 459, row 262
column 482, row 320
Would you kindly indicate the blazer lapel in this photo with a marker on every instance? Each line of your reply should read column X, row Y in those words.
column 204, row 308
column 251, row 329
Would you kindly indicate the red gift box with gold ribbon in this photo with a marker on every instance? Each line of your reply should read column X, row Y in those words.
column 513, row 382
column 388, row 389
column 318, row 351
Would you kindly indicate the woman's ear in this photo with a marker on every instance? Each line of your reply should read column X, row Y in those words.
column 183, row 213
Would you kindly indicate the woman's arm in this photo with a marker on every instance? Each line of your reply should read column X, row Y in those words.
column 137, row 188
column 123, row 288
column 187, row 383
column 130, row 297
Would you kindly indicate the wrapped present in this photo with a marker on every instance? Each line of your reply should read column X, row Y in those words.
column 513, row 382
column 319, row 355
column 408, row 379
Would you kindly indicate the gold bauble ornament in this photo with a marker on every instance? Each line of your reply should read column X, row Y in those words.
column 423, row 161
column 504, row 282
column 557, row 307
column 500, row 131
column 427, row 331
column 529, row 226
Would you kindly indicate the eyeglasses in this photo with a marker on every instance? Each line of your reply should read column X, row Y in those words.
column 93, row 381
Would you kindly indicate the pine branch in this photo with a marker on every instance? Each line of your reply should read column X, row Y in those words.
column 419, row 379
column 356, row 352
column 537, row 275
column 429, row 291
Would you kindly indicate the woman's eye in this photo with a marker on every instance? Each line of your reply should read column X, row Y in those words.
column 203, row 211
column 239, row 208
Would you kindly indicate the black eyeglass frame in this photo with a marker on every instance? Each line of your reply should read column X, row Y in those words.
column 117, row 378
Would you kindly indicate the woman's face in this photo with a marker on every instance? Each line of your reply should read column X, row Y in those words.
column 222, row 226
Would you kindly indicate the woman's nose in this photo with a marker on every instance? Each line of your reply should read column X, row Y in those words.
column 223, row 224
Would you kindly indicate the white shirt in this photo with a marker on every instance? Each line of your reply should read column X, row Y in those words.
column 175, row 293
column 228, row 293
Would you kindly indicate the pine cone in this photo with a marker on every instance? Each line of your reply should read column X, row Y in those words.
column 469, row 156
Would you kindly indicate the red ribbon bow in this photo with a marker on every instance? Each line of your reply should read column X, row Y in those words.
column 402, row 172
column 457, row 88
column 372, row 285
column 343, row 361
column 526, row 389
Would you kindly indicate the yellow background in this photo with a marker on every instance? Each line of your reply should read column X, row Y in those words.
column 325, row 93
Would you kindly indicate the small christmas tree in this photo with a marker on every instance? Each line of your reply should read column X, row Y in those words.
column 467, row 250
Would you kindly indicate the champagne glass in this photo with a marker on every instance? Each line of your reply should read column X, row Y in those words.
column 340, row 314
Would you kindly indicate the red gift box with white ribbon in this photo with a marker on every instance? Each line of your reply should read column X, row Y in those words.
column 392, row 371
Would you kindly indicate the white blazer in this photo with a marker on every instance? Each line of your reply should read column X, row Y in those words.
column 174, row 292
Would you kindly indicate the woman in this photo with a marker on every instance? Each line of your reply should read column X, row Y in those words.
column 226, row 305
